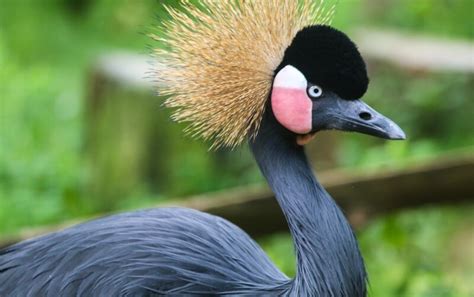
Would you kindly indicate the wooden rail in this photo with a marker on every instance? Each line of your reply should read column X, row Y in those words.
column 363, row 196
column 410, row 51
column 415, row 52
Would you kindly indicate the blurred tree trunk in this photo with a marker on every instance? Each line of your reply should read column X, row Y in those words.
column 133, row 147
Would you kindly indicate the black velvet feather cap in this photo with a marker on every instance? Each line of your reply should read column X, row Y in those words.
column 329, row 59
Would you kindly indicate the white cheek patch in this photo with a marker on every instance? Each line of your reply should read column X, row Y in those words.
column 290, row 103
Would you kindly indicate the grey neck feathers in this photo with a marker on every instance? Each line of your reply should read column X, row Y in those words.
column 328, row 258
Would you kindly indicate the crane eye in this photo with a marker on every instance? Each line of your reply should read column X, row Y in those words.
column 315, row 91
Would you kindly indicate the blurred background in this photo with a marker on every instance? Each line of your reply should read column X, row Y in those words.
column 83, row 134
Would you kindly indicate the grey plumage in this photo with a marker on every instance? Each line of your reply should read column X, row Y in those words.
column 143, row 253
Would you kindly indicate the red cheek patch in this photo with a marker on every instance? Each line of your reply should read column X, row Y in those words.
column 292, row 109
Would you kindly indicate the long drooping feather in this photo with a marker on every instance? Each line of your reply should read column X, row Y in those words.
column 219, row 59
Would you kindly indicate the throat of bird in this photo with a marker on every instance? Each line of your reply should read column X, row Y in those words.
column 328, row 257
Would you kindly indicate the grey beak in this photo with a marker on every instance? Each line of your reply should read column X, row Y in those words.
column 364, row 119
column 333, row 112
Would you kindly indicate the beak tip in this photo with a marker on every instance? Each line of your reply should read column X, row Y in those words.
column 399, row 137
column 397, row 133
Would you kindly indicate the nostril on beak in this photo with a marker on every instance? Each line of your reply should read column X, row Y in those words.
column 365, row 116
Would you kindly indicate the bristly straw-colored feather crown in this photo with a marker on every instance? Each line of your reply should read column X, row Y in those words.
column 219, row 59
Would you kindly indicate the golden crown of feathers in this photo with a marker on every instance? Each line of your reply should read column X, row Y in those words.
column 219, row 59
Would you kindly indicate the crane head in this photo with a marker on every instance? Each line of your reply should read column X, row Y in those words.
column 223, row 60
column 318, row 86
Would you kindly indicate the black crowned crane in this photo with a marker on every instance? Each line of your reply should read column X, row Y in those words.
column 272, row 72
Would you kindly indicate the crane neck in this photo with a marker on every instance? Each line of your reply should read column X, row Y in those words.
column 329, row 262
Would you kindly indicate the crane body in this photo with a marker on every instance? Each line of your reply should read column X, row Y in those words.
column 255, row 70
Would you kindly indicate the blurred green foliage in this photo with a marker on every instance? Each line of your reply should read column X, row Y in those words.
column 47, row 48
column 46, row 51
column 443, row 18
column 440, row 18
